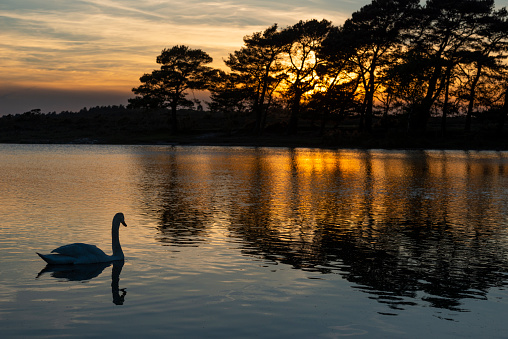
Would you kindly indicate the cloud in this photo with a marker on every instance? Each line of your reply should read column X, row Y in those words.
column 108, row 44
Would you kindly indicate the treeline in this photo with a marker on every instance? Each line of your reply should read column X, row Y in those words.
column 85, row 126
column 117, row 124
column 394, row 62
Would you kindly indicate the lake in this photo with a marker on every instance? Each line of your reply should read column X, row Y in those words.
column 239, row 242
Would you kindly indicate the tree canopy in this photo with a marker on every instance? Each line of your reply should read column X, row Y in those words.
column 392, row 59
column 182, row 69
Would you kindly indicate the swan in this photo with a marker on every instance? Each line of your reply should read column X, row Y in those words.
column 79, row 253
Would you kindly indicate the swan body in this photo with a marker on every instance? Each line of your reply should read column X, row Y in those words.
column 79, row 253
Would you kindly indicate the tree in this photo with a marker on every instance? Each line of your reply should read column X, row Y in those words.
column 227, row 94
column 504, row 112
column 182, row 69
column 338, row 82
column 446, row 29
column 304, row 40
column 257, row 68
column 487, row 52
column 375, row 32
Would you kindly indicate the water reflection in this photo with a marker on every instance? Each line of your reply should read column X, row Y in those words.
column 87, row 272
column 404, row 227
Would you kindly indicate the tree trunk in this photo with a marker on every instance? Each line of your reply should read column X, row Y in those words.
column 265, row 112
column 504, row 113
column 258, row 107
column 472, row 95
column 295, row 112
column 421, row 113
column 370, row 98
column 324, row 120
column 445, row 104
column 368, row 112
column 261, row 103
column 384, row 118
column 173, row 119
column 363, row 108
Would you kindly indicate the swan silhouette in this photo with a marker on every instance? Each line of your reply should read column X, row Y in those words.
column 79, row 253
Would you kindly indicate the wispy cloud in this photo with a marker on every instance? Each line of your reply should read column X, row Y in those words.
column 111, row 43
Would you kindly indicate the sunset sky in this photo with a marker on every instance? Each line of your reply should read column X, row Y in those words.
column 67, row 54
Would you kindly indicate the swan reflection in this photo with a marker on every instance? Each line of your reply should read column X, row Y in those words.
column 88, row 272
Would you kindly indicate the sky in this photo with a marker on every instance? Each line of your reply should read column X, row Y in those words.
column 68, row 54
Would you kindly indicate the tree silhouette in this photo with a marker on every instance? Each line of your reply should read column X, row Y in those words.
column 399, row 58
column 486, row 53
column 404, row 56
column 504, row 112
column 447, row 28
column 227, row 93
column 375, row 31
column 182, row 69
column 338, row 81
column 305, row 38
column 257, row 67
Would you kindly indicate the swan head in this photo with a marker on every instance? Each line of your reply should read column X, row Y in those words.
column 120, row 219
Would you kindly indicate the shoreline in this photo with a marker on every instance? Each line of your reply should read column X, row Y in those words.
column 115, row 125
column 271, row 141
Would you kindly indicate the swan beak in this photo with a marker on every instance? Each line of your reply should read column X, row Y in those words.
column 123, row 223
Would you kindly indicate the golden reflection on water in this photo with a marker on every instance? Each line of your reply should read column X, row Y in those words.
column 396, row 224
column 382, row 219
column 284, row 182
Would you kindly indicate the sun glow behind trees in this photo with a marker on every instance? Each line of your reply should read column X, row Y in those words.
column 398, row 55
column 391, row 58
column 100, row 47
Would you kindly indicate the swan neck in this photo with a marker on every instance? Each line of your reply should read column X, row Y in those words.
column 115, row 239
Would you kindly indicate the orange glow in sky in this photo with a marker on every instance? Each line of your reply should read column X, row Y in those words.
column 64, row 55
column 53, row 48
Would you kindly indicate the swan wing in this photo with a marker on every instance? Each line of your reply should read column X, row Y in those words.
column 82, row 253
column 78, row 250
column 57, row 259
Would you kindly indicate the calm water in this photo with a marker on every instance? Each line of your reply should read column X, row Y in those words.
column 248, row 242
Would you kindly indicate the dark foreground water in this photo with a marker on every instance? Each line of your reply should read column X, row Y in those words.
column 252, row 242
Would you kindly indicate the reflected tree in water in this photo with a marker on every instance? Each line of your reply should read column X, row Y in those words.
column 415, row 227
column 182, row 219
column 413, row 247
